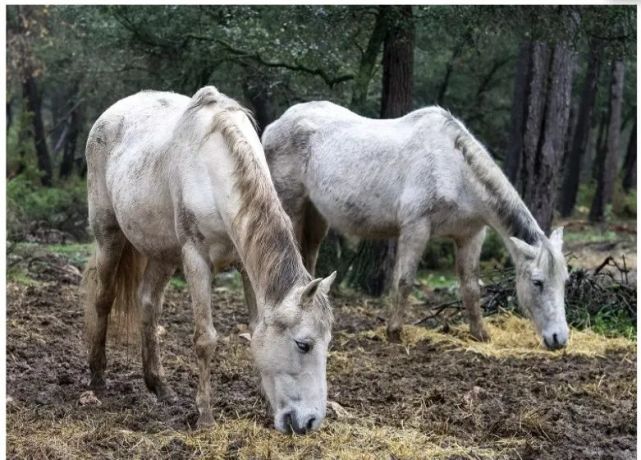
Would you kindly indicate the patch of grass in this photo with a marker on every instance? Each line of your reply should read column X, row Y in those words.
column 178, row 283
column 591, row 234
column 20, row 276
column 437, row 279
column 614, row 323
column 77, row 253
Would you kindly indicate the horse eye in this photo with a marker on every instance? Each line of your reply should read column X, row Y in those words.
column 304, row 347
column 538, row 283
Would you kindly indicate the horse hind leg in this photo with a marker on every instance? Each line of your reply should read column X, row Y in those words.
column 411, row 242
column 250, row 300
column 101, row 292
column 468, row 253
column 313, row 231
column 154, row 281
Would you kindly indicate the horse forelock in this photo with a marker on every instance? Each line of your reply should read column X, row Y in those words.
column 552, row 262
column 324, row 307
column 265, row 232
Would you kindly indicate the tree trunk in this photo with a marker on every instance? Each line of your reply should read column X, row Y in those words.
column 545, row 129
column 259, row 95
column 600, row 143
column 398, row 62
column 608, row 169
column 630, row 163
column 449, row 67
column 70, row 142
column 33, row 101
column 9, row 112
column 374, row 262
column 368, row 63
column 572, row 170
column 519, row 114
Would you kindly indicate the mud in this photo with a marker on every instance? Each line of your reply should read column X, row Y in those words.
column 540, row 407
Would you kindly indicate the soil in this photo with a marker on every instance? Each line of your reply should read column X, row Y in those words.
column 555, row 407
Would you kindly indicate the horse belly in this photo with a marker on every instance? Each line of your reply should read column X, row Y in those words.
column 144, row 210
column 362, row 210
column 149, row 227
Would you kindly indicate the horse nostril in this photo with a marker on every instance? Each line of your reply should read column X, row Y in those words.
column 310, row 423
column 556, row 339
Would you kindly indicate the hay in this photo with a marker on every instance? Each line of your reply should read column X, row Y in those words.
column 242, row 438
column 512, row 336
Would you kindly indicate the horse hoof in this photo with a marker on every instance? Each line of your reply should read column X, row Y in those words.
column 394, row 335
column 165, row 395
column 204, row 421
column 481, row 335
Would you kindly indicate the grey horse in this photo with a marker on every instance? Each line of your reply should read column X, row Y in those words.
column 412, row 178
column 176, row 180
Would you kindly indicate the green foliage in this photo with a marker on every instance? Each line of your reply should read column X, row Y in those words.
column 439, row 254
column 28, row 205
column 77, row 253
column 614, row 323
column 624, row 205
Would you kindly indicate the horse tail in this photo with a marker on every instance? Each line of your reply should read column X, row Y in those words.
column 508, row 205
column 124, row 316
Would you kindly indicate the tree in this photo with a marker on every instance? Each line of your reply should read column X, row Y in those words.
column 630, row 164
column 23, row 26
column 608, row 167
column 540, row 132
column 572, row 170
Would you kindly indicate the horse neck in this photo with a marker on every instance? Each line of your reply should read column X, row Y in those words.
column 267, row 248
column 261, row 230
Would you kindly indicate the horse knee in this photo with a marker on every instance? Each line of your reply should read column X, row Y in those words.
column 104, row 302
column 404, row 287
column 205, row 343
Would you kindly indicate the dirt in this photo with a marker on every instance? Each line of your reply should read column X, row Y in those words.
column 544, row 406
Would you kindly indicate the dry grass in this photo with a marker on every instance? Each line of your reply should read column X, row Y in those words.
column 512, row 336
column 240, row 438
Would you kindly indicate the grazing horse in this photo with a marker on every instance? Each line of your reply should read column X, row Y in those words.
column 178, row 180
column 412, row 178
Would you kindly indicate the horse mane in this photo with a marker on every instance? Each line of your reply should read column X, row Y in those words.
column 266, row 235
column 510, row 209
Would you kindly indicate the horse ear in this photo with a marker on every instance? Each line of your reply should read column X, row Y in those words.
column 556, row 238
column 526, row 250
column 310, row 290
column 321, row 285
column 326, row 284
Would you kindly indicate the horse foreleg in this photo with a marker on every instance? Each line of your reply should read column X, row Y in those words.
column 108, row 252
column 250, row 300
column 411, row 243
column 468, row 253
column 199, row 276
column 155, row 278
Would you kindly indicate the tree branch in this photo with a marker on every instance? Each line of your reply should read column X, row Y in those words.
column 297, row 67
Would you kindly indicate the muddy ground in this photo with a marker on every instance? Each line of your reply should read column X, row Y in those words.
column 427, row 398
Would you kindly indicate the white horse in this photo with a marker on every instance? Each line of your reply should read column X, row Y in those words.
column 173, row 180
column 411, row 178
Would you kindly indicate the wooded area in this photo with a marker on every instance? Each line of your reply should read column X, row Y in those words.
column 550, row 90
